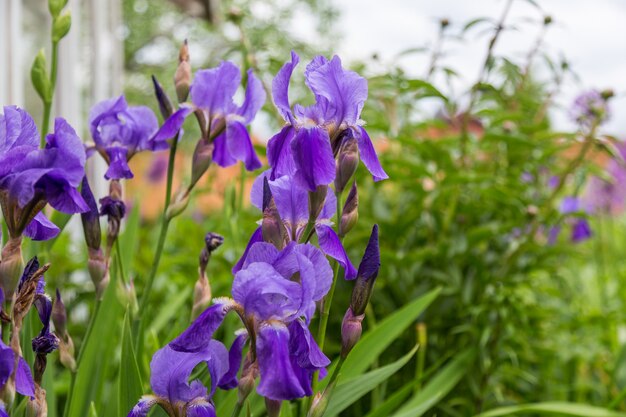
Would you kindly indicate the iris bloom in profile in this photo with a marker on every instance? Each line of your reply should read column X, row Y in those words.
column 212, row 93
column 590, row 107
column 120, row 131
column 31, row 177
column 292, row 203
column 169, row 380
column 306, row 146
column 275, row 294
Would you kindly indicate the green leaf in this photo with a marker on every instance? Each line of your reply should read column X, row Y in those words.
column 378, row 339
column 92, row 410
column 560, row 408
column 349, row 391
column 168, row 313
column 438, row 387
column 96, row 359
column 130, row 386
column 393, row 402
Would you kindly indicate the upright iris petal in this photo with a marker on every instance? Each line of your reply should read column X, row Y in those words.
column 304, row 148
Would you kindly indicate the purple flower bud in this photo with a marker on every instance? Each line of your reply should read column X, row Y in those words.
column 165, row 105
column 272, row 226
column 351, row 329
column 90, row 218
column 366, row 275
column 347, row 163
column 272, row 407
column 581, row 230
column 350, row 212
column 45, row 343
column 112, row 208
column 202, row 158
column 59, row 314
column 317, row 201
column 182, row 78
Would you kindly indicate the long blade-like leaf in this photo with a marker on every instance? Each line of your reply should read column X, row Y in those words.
column 438, row 387
column 551, row 408
column 349, row 391
column 130, row 386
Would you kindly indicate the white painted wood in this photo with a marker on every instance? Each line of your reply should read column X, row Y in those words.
column 11, row 68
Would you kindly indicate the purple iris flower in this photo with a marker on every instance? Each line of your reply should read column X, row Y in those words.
column 292, row 202
column 169, row 379
column 120, row 131
column 31, row 177
column 45, row 342
column 212, row 93
column 590, row 108
column 608, row 195
column 306, row 146
column 275, row 294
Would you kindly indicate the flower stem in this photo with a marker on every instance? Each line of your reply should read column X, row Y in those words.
column 47, row 104
column 237, row 409
column 165, row 222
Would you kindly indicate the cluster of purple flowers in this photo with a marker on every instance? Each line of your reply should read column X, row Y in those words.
column 281, row 277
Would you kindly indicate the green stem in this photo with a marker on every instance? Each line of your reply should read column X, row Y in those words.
column 81, row 352
column 165, row 222
column 237, row 409
column 47, row 104
column 120, row 265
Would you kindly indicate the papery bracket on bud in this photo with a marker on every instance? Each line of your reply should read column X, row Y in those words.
column 272, row 226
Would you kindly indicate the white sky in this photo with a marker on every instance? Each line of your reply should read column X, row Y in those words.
column 590, row 33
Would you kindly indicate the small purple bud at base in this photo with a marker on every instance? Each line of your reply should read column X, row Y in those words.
column 165, row 105
column 272, row 226
column 273, row 407
column 366, row 275
column 201, row 160
column 347, row 163
column 59, row 314
column 351, row 329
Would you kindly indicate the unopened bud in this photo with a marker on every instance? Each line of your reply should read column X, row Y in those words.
column 39, row 406
column 607, row 94
column 272, row 407
column 321, row 401
column 444, row 23
column 366, row 275
column 90, row 218
column 59, row 314
column 61, row 26
column 202, row 158
column 165, row 105
column 317, row 199
column 547, row 20
column 98, row 271
column 7, row 392
column 245, row 387
column 350, row 212
column 182, row 77
column 39, row 77
column 351, row 329
column 272, row 226
column 11, row 266
column 347, row 163
column 180, row 203
column 55, row 6
column 201, row 297
column 234, row 14
column 66, row 353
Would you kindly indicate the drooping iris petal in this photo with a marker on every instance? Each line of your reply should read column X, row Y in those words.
column 239, row 145
column 304, row 348
column 368, row 155
column 346, row 91
column 279, row 153
column 218, row 363
column 331, row 245
column 40, row 228
column 229, row 380
column 265, row 293
column 198, row 335
column 118, row 163
column 313, row 157
column 280, row 88
column 142, row 408
column 213, row 89
column 221, row 154
column 257, row 236
column 7, row 362
column 3, row 412
column 200, row 408
column 279, row 380
column 24, row 383
column 171, row 369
